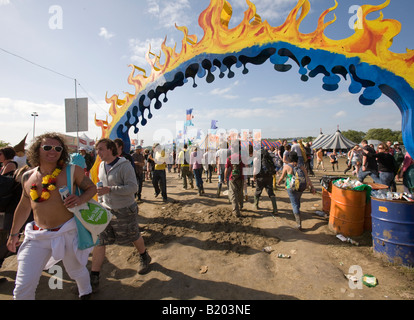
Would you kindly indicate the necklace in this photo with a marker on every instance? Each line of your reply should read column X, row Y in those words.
column 48, row 184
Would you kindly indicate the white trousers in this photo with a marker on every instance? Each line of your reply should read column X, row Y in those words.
column 36, row 255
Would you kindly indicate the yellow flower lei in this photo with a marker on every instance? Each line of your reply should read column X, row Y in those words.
column 48, row 184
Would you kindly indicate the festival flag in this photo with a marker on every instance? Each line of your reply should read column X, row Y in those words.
column 179, row 135
column 189, row 118
column 198, row 134
column 214, row 124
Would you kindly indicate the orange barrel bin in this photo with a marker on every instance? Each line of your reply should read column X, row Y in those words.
column 326, row 182
column 347, row 211
column 367, row 218
column 326, row 201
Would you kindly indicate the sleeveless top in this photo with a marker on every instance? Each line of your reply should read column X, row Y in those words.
column 10, row 173
column 289, row 180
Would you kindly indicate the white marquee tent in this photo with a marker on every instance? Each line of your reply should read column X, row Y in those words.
column 334, row 141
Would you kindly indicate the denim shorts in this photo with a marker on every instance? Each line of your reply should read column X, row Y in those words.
column 123, row 228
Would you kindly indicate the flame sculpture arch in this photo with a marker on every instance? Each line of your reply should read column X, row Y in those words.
column 364, row 58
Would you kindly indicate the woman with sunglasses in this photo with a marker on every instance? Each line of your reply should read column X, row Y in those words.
column 52, row 236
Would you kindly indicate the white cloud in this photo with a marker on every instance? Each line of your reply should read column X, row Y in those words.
column 266, row 9
column 170, row 12
column 297, row 100
column 16, row 119
column 340, row 114
column 224, row 92
column 4, row 2
column 153, row 7
column 139, row 49
column 51, row 118
column 242, row 113
column 104, row 33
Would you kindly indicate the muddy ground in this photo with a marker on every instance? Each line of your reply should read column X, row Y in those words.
column 200, row 250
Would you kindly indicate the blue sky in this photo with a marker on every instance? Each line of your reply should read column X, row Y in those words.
column 95, row 41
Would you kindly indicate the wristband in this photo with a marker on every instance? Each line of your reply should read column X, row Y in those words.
column 14, row 234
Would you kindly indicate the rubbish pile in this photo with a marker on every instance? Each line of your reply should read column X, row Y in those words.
column 348, row 184
column 382, row 194
column 347, row 239
column 388, row 195
column 326, row 182
column 351, row 184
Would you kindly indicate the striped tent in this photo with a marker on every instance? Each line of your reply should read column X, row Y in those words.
column 265, row 143
column 268, row 144
column 333, row 141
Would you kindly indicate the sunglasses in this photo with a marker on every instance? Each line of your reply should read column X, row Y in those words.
column 56, row 148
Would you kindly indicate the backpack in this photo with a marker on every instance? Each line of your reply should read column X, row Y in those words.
column 395, row 165
column 298, row 182
column 267, row 164
column 236, row 169
column 78, row 159
column 399, row 157
column 185, row 156
column 408, row 178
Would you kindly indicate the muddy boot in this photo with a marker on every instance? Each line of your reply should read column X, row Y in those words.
column 256, row 203
column 144, row 262
column 274, row 204
column 298, row 221
column 219, row 190
column 236, row 213
column 94, row 276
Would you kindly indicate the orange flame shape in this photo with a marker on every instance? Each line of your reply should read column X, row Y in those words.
column 370, row 43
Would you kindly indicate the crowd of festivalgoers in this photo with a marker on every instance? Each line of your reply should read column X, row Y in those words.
column 236, row 166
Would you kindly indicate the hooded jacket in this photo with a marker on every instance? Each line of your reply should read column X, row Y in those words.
column 123, row 182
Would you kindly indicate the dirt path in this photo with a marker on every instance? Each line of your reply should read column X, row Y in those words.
column 191, row 233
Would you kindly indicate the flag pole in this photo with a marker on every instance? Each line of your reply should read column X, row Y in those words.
column 77, row 116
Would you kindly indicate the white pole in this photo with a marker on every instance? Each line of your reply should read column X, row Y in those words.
column 77, row 117
column 34, row 115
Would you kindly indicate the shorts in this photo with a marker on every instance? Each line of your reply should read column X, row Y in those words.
column 123, row 228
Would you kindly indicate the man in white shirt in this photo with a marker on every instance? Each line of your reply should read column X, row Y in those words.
column 221, row 159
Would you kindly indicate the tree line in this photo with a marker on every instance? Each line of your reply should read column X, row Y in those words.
column 380, row 134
